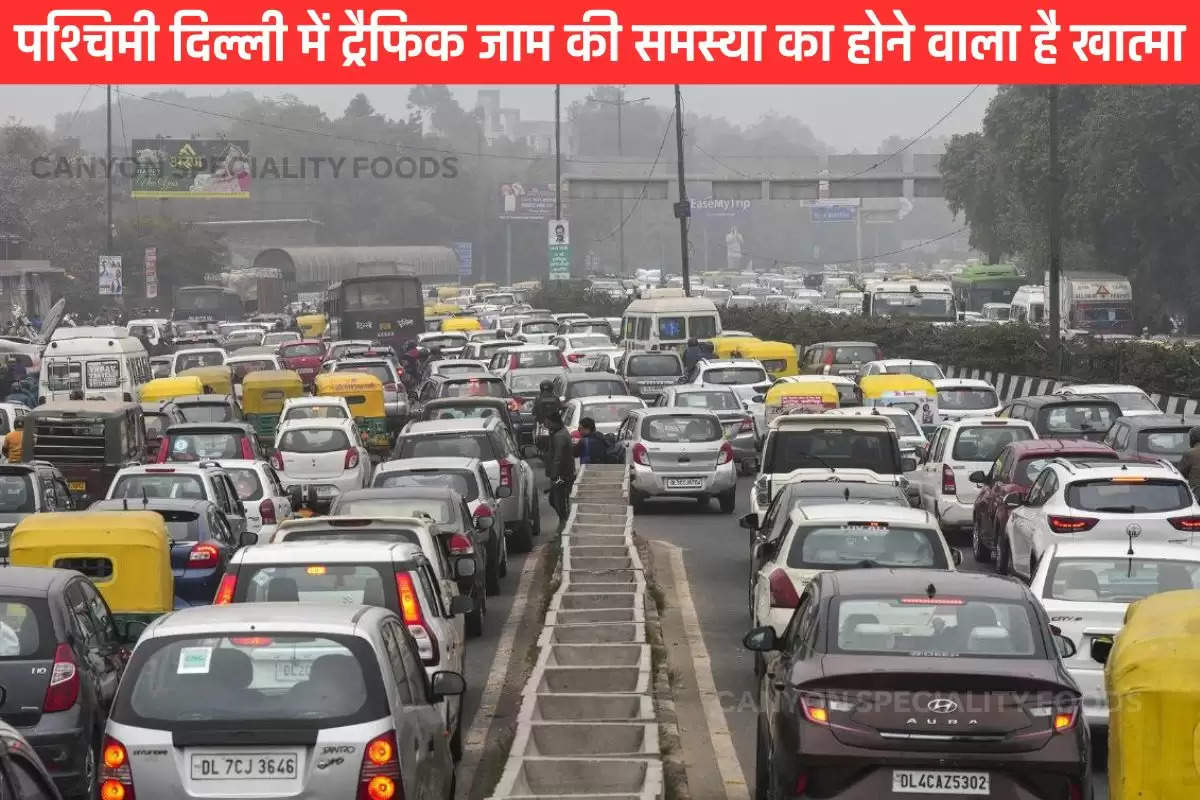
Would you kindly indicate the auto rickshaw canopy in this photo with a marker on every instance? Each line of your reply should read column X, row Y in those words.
column 779, row 359
column 170, row 388
column 214, row 380
column 462, row 324
column 312, row 326
column 265, row 391
column 732, row 346
column 363, row 392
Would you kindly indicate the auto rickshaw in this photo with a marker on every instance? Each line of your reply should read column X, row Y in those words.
column 127, row 554
column 364, row 395
column 90, row 441
column 312, row 326
column 263, row 395
column 915, row 395
column 1152, row 682
column 170, row 388
column 732, row 346
column 809, row 397
column 215, row 380
column 461, row 324
column 779, row 359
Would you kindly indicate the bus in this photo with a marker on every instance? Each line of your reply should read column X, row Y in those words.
column 985, row 283
column 387, row 308
column 929, row 301
column 207, row 304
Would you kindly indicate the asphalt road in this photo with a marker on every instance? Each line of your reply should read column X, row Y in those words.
column 715, row 555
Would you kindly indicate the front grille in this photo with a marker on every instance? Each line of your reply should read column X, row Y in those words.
column 68, row 442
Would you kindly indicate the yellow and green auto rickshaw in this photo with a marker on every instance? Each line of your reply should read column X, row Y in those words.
column 170, row 388
column 127, row 554
column 732, row 346
column 1152, row 682
column 461, row 325
column 215, row 380
column 263, row 395
column 779, row 359
column 312, row 326
column 915, row 395
column 809, row 397
column 364, row 395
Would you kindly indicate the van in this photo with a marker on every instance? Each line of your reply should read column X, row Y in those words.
column 1028, row 305
column 103, row 362
column 668, row 323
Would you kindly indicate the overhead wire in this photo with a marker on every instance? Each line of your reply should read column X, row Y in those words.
column 645, row 184
column 863, row 260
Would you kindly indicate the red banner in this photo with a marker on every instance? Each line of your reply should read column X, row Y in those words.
column 670, row 41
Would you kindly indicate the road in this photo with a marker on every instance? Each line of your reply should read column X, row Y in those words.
column 715, row 556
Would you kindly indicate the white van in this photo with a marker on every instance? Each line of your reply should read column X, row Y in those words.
column 104, row 362
column 1028, row 305
column 668, row 322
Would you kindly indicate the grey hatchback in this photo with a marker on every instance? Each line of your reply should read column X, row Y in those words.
column 292, row 700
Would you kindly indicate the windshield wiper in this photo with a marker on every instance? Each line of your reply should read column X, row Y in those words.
column 819, row 460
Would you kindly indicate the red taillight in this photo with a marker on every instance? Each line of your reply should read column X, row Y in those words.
column 116, row 777
column 1070, row 524
column 225, row 590
column 247, row 450
column 277, row 460
column 1190, row 524
column 414, row 617
column 828, row 359
column 483, row 511
column 379, row 776
column 747, row 426
column 783, row 593
column 266, row 510
column 948, row 484
column 801, row 783
column 1074, row 790
column 573, row 358
column 204, row 555
column 163, row 452
column 506, row 473
column 726, row 454
column 351, row 458
column 640, row 456
column 576, row 435
column 63, row 690
column 460, row 545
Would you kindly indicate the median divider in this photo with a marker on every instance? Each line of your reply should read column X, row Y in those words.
column 587, row 727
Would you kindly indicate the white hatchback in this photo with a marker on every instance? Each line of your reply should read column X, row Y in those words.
column 325, row 454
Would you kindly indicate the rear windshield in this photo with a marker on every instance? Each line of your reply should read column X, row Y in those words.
column 445, row 342
column 1141, row 497
column 597, row 340
column 381, row 371
column 653, row 366
column 1117, row 580
column 713, row 401
column 458, row 369
column 301, row 350
column 308, row 682
column 489, row 349
column 831, row 448
column 839, row 492
column 439, row 511
column 316, row 412
column 25, row 631
column 1163, row 442
column 1132, row 401
column 247, row 483
column 1077, row 419
column 852, row 354
column 16, row 494
column 735, row 376
column 172, row 486
column 243, row 368
column 446, row 446
column 608, row 412
column 533, row 359
column 905, row 424
column 967, row 399
column 527, row 383
column 594, row 388
column 943, row 626
column 313, row 440
column 207, row 412
column 182, row 526
column 460, row 412
column 204, row 446
column 211, row 358
column 681, row 429
column 460, row 481
column 540, row 327
column 865, row 544
column 984, row 442
column 474, row 387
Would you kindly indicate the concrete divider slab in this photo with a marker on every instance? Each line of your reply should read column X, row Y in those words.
column 599, row 633
column 585, row 539
column 579, row 602
column 589, row 615
column 604, row 740
column 616, row 550
column 571, row 777
column 595, row 655
column 586, row 708
column 576, row 680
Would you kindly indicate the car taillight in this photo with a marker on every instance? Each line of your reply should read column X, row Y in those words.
column 1190, row 524
column 828, row 359
column 351, row 458
column 277, row 460
column 816, row 708
column 163, row 452
column 116, row 777
column 506, row 473
column 573, row 358
column 225, row 590
column 247, row 450
column 1060, row 524
column 747, row 425
column 640, row 456
column 460, row 545
column 576, row 435
column 948, row 484
column 1062, row 716
column 483, row 511
column 414, row 617
column 726, row 454
column 63, row 690
column 266, row 511
column 204, row 555
column 379, row 775
column 783, row 593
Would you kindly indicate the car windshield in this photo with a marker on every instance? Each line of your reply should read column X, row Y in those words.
column 533, row 359
column 380, row 371
column 935, row 627
column 16, row 494
column 831, row 447
column 247, row 482
column 25, row 630
column 734, row 376
column 854, row 354
column 1129, row 495
column 474, row 387
column 867, row 544
column 306, row 350
column 540, row 327
column 1132, row 401
column 589, row 340
column 519, row 383
column 458, row 369
column 316, row 412
column 984, row 442
column 313, row 440
column 1117, row 580
column 682, row 429
column 654, row 366
column 172, row 486
column 1164, row 442
column 204, row 446
column 930, row 372
column 461, row 482
column 593, row 388
column 308, row 681
column 182, row 526
column 211, row 358
column 439, row 511
column 454, row 445
column 207, row 412
column 713, row 401
column 1080, row 418
column 608, row 412
column 967, row 399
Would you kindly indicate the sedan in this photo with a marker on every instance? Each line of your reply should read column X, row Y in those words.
column 676, row 453
column 304, row 358
column 326, row 456
column 576, row 346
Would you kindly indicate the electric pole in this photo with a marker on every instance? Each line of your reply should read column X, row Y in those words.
column 683, row 209
column 108, row 247
column 621, row 192
column 557, row 151
column 1055, row 235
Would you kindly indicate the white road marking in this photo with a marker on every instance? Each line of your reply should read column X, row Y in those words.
column 476, row 736
column 718, row 731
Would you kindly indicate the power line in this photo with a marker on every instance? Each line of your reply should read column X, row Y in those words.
column 720, row 162
column 645, row 184
column 87, row 89
column 864, row 259
column 921, row 135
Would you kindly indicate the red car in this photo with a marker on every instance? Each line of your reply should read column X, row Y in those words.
column 304, row 357
column 1015, row 470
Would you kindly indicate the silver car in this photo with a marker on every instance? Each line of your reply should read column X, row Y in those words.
column 292, row 700
column 735, row 419
column 675, row 452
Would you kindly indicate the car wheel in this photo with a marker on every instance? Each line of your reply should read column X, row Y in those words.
column 762, row 765
column 535, row 516
column 1003, row 555
column 981, row 551
column 456, row 746
column 491, row 578
column 728, row 501
column 89, row 781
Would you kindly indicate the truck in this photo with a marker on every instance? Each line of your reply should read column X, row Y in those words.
column 927, row 301
column 1094, row 303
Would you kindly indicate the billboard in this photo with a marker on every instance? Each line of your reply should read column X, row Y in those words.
column 151, row 261
column 112, row 283
column 197, row 168
column 559, row 243
column 526, row 201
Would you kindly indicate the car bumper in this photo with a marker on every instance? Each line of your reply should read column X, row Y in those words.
column 1095, row 699
column 955, row 515
column 396, row 408
column 56, row 740
column 654, row 484
column 745, row 447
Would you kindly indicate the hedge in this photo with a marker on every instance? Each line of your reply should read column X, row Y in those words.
column 1171, row 369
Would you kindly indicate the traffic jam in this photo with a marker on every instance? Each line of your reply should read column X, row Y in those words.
column 251, row 557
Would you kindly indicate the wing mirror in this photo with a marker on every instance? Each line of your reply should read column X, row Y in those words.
column 131, row 630
column 1065, row 647
column 908, row 463
column 749, row 521
column 247, row 538
column 913, row 493
column 978, row 476
column 1014, row 500
column 461, row 604
column 758, row 398
column 465, row 567
column 503, row 492
column 446, row 684
column 1101, row 648
column 761, row 640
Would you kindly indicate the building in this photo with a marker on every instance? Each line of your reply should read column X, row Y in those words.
column 506, row 123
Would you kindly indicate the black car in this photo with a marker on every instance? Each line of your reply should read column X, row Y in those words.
column 61, row 657
column 648, row 374
column 1152, row 436
column 1057, row 416
column 925, row 682
column 22, row 774
column 573, row 384
column 476, row 384
column 29, row 488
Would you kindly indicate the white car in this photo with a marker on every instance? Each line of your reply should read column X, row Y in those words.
column 457, row 366
column 575, row 346
column 262, row 493
column 193, row 357
column 678, row 453
column 907, row 429
column 339, row 349
column 607, row 412
column 963, row 398
column 1128, row 502
column 464, row 475
column 530, row 356
column 325, row 454
column 326, row 407
column 1086, row 587
column 202, row 480
column 1132, row 400
column 956, row 451
column 277, row 338
column 450, row 344
column 903, row 366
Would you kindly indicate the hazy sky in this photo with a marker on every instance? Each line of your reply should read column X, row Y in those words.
column 846, row 117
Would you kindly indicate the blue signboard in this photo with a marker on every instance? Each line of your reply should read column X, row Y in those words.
column 463, row 251
column 834, row 213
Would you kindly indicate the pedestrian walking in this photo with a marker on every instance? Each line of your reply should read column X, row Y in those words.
column 560, row 467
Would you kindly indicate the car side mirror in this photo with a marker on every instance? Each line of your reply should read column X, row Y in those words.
column 1014, row 499
column 908, row 463
column 758, row 398
column 978, row 476
column 465, row 568
column 1065, row 647
column 1101, row 649
column 749, row 521
column 248, row 538
column 295, row 496
column 131, row 630
column 446, row 684
column 761, row 640
column 503, row 492
column 956, row 556
column 461, row 604
column 913, row 493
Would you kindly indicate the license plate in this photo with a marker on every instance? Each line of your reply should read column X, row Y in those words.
column 685, row 483
column 78, row 486
column 292, row 670
column 276, row 765
column 912, row 781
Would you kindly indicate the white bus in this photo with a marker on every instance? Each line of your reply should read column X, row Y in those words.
column 103, row 362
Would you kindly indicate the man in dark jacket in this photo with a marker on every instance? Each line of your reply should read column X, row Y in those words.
column 691, row 354
column 591, row 447
column 545, row 405
column 560, row 467
column 1189, row 463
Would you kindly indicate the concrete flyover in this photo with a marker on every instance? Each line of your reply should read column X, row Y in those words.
column 308, row 267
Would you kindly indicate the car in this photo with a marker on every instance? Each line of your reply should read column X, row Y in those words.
column 599, row 325
column 395, row 398
column 276, row 338
column 29, row 487
column 22, row 773
column 602, row 361
column 577, row 345
column 192, row 357
column 918, row 682
column 450, row 345
column 304, row 358
column 838, row 358
column 346, row 681
column 454, row 366
column 245, row 362
column 470, row 406
column 1014, row 471
column 485, row 335
column 1065, row 416
column 459, row 534
column 677, row 452
column 1132, row 400
column 956, row 451
column 903, row 366
column 324, row 407
column 266, row 500
column 908, row 431
column 1102, row 500
column 962, row 398
column 606, row 412
column 746, row 377
column 343, row 347
column 649, row 373
column 203, row 480
column 209, row 407
column 159, row 415
column 535, row 330
column 572, row 385
column 528, row 356
column 246, row 337
column 206, row 441
column 1086, row 588
column 739, row 425
column 814, row 490
column 484, row 350
column 464, row 385
column 201, row 542
column 569, row 315
column 490, row 441
column 327, row 455
column 1152, row 436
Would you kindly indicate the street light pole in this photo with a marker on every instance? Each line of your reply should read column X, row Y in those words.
column 621, row 191
column 557, row 151
column 683, row 209
column 108, row 247
column 1055, row 235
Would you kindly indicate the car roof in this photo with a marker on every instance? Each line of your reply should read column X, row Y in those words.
column 314, row 422
column 33, row 581
column 916, row 582
column 280, row 617
column 151, row 504
column 1113, row 548
column 205, row 399
column 461, row 377
column 841, row 512
column 973, row 383
column 597, row 399
column 905, row 362
column 334, row 549
column 1068, row 448
column 185, row 427
column 529, row 348
column 423, row 427
column 1099, row 388
column 1062, row 399
column 730, row 362
column 242, row 463
column 315, row 400
column 695, row 388
column 451, row 402
column 426, row 492
column 455, row 362
column 1083, row 468
column 1162, row 421
column 843, row 344
column 576, row 376
column 431, row 462
column 987, row 422
column 673, row 411
column 171, row 466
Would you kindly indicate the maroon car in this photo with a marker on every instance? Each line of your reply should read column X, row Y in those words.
column 1014, row 471
column 304, row 357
